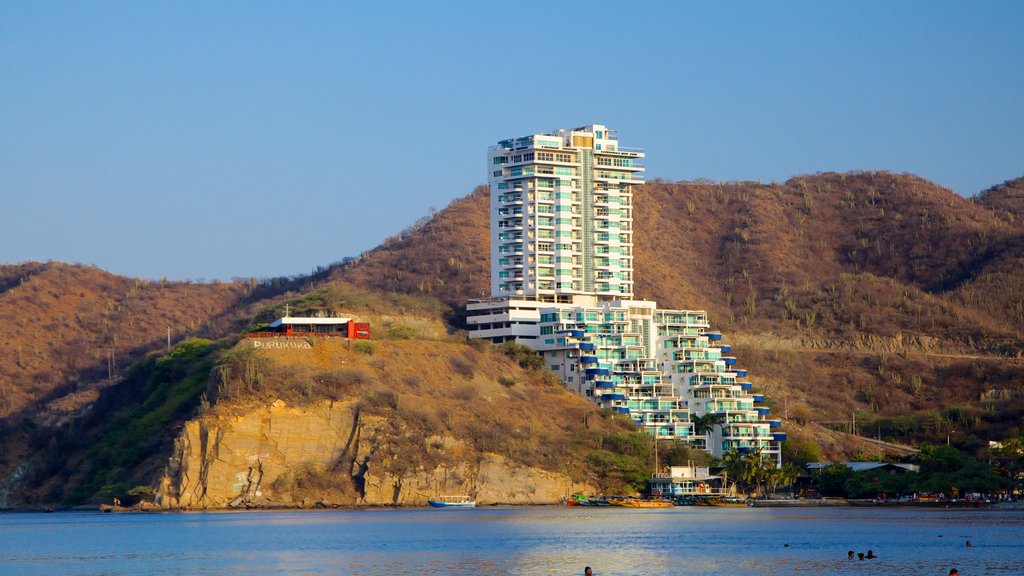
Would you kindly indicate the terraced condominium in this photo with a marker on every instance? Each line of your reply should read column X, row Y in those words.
column 562, row 215
column 562, row 284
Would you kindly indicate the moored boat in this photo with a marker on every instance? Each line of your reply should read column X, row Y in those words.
column 728, row 501
column 640, row 503
column 459, row 501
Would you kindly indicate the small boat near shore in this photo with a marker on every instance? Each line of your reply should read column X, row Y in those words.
column 731, row 501
column 640, row 503
column 459, row 501
column 581, row 500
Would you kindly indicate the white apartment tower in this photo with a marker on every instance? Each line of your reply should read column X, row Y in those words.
column 562, row 215
column 562, row 284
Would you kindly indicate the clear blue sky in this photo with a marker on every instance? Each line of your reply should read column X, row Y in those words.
column 214, row 140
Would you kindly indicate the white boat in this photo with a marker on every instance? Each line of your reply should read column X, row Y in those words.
column 460, row 501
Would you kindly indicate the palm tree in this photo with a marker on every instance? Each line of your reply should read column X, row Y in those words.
column 755, row 469
column 734, row 466
column 785, row 475
column 705, row 425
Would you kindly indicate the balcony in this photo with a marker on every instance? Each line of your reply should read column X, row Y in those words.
column 741, row 373
column 604, row 385
column 762, row 411
column 598, row 372
column 779, row 436
column 588, row 359
column 714, row 336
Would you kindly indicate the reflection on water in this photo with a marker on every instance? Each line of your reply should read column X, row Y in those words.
column 534, row 541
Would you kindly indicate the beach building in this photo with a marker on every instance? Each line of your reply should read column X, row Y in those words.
column 686, row 481
column 562, row 284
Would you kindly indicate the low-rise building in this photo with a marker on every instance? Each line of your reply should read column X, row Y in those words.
column 686, row 481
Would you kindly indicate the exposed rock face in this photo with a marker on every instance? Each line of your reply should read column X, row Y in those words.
column 324, row 454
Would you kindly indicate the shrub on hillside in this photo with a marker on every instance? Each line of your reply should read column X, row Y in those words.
column 617, row 473
column 401, row 332
column 525, row 356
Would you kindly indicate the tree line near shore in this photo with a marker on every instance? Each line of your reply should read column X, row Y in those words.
column 942, row 470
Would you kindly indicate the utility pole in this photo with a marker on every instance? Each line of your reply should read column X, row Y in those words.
column 656, row 469
column 168, row 338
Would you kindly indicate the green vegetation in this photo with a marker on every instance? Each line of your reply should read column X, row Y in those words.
column 944, row 469
column 523, row 355
column 753, row 473
column 139, row 417
column 679, row 453
column 623, row 462
column 401, row 332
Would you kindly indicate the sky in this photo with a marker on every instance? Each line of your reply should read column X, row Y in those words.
column 219, row 140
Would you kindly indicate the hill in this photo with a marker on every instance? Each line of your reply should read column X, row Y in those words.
column 869, row 291
column 410, row 414
column 872, row 296
column 1006, row 200
column 71, row 329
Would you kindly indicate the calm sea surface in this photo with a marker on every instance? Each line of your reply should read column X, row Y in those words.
column 517, row 541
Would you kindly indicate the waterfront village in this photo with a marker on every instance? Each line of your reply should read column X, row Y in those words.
column 561, row 254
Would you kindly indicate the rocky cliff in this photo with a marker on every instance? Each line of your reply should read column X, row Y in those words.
column 324, row 454
column 385, row 423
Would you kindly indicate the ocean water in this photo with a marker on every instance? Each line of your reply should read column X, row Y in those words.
column 532, row 541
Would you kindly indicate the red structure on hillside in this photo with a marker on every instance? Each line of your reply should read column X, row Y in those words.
column 314, row 326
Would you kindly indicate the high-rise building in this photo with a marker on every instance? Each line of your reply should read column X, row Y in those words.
column 562, row 215
column 562, row 284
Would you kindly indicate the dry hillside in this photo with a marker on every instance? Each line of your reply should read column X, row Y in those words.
column 69, row 327
column 335, row 421
column 869, row 291
column 1006, row 201
column 877, row 294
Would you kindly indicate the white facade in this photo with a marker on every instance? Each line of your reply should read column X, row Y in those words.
column 562, row 284
column 562, row 215
column 663, row 368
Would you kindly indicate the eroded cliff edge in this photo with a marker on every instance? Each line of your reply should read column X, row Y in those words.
column 393, row 423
